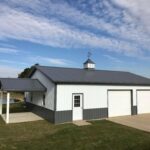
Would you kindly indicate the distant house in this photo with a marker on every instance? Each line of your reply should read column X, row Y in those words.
column 68, row 94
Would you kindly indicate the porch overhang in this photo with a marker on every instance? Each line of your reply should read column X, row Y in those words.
column 21, row 85
column 17, row 85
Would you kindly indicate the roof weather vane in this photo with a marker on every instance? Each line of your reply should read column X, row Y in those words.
column 89, row 54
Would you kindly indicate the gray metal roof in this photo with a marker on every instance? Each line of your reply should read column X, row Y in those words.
column 84, row 76
column 19, row 84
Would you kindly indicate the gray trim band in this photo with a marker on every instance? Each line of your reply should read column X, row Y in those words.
column 45, row 113
column 63, row 116
column 96, row 113
column 134, row 110
column 50, row 115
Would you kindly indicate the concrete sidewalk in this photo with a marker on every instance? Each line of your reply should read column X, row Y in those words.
column 141, row 122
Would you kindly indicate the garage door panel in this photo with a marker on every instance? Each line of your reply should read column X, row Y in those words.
column 143, row 102
column 119, row 103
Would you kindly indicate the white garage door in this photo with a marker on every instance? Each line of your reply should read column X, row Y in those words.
column 119, row 103
column 143, row 102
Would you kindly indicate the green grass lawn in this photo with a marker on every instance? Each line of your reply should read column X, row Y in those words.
column 101, row 135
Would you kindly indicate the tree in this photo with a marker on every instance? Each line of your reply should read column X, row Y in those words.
column 25, row 73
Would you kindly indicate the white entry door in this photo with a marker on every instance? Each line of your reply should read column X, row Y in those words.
column 77, row 106
column 143, row 102
column 119, row 103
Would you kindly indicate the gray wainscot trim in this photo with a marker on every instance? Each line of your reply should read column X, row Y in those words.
column 96, row 113
column 134, row 110
column 66, row 116
column 50, row 115
column 45, row 113
column 63, row 116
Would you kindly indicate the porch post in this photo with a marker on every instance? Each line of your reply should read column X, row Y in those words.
column 1, row 102
column 7, row 108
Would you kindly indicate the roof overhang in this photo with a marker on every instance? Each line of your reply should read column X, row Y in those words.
column 21, row 85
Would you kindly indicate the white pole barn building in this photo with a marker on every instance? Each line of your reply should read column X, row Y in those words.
column 82, row 94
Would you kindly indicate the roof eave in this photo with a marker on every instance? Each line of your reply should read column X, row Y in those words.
column 19, row 90
column 93, row 83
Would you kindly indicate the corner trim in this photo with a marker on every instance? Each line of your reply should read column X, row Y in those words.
column 55, row 98
column 134, row 110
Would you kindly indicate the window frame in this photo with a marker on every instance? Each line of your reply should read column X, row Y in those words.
column 81, row 100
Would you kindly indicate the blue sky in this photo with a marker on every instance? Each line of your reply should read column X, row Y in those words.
column 61, row 32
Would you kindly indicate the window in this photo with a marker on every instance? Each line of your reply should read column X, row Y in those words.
column 44, row 100
column 77, row 101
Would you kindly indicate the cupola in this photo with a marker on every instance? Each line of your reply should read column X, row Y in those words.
column 89, row 64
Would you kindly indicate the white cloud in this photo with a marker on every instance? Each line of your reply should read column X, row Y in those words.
column 56, row 61
column 50, row 61
column 8, row 50
column 125, row 34
column 54, row 33
column 114, row 59
column 126, row 30
column 7, row 71
column 6, row 61
column 139, row 9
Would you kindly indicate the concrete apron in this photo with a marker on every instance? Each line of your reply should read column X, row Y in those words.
column 141, row 122
column 81, row 123
column 22, row 117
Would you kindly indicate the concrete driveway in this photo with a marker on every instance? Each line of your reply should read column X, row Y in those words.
column 141, row 122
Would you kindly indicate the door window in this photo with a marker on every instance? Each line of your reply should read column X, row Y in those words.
column 77, row 99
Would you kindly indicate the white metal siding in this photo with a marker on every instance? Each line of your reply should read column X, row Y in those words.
column 37, row 98
column 95, row 96
column 119, row 103
column 143, row 99
column 27, row 96
column 49, row 95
